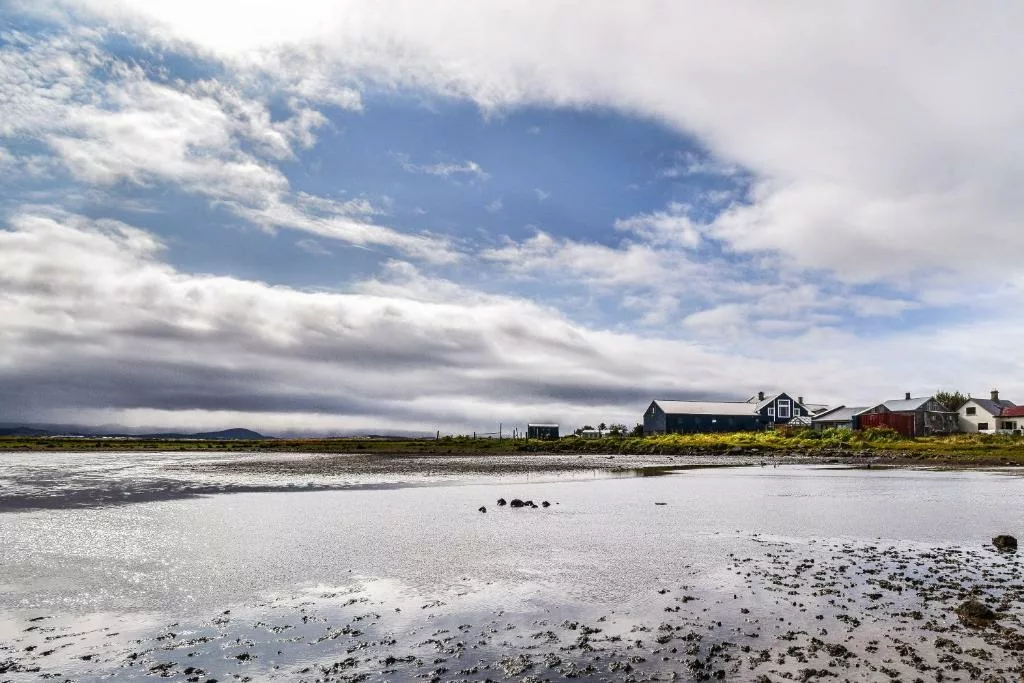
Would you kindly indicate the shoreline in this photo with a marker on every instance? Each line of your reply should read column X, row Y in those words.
column 943, row 452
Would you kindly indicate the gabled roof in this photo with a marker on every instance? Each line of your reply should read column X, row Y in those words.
column 816, row 408
column 993, row 408
column 768, row 400
column 903, row 405
column 840, row 414
column 706, row 407
column 1013, row 411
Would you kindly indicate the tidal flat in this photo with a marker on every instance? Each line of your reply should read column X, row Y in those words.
column 754, row 573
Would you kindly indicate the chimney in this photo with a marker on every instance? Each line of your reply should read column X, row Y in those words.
column 800, row 400
column 995, row 395
column 760, row 396
column 906, row 396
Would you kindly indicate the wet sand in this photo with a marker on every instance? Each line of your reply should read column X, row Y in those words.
column 798, row 611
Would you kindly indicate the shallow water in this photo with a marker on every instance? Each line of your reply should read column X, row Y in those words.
column 603, row 549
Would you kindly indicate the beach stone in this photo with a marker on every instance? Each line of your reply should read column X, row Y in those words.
column 501, row 501
column 1004, row 542
column 516, row 503
column 974, row 613
column 483, row 509
column 545, row 504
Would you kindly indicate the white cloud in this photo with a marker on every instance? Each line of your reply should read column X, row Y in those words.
column 664, row 228
column 495, row 206
column 444, row 169
column 341, row 221
column 313, row 247
column 690, row 164
column 883, row 140
column 542, row 195
column 209, row 138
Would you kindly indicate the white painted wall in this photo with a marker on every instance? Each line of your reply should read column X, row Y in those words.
column 969, row 423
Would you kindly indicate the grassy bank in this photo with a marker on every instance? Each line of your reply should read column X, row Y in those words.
column 960, row 448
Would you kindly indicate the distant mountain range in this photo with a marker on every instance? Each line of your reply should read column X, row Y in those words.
column 71, row 430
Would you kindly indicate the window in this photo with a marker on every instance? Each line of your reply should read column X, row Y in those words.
column 1009, row 425
column 983, row 426
column 771, row 411
column 972, row 411
column 783, row 408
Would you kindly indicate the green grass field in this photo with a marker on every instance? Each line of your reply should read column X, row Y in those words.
column 959, row 448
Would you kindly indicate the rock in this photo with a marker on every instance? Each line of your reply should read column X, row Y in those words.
column 545, row 504
column 1004, row 542
column 974, row 613
column 661, row 503
column 516, row 503
column 501, row 501
column 483, row 509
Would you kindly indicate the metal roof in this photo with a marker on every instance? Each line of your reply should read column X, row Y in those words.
column 537, row 424
column 903, row 405
column 707, row 407
column 1013, row 411
column 840, row 414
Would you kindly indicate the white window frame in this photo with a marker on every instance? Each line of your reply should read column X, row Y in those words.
column 784, row 403
column 771, row 411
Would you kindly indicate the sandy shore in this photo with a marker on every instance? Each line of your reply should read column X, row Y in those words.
column 811, row 611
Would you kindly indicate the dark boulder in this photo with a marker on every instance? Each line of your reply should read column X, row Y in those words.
column 545, row 504
column 483, row 509
column 516, row 503
column 501, row 501
column 974, row 613
column 1004, row 542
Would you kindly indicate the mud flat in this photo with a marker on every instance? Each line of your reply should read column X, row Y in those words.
column 814, row 610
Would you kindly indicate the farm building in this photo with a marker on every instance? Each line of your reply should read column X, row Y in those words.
column 983, row 414
column 542, row 431
column 910, row 417
column 688, row 417
column 842, row 417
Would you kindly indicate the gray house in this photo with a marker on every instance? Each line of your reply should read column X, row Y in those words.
column 843, row 417
column 688, row 417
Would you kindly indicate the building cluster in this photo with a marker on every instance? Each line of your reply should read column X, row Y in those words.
column 909, row 416
column 921, row 416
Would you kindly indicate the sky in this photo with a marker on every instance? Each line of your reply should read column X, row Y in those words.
column 334, row 217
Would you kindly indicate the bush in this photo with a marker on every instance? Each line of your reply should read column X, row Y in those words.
column 873, row 434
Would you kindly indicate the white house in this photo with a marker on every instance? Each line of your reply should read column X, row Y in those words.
column 983, row 415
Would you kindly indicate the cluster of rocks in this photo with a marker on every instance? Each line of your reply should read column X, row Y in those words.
column 518, row 503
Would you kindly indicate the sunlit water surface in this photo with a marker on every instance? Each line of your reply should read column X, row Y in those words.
column 603, row 547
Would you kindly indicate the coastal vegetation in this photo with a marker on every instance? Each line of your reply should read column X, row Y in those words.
column 878, row 443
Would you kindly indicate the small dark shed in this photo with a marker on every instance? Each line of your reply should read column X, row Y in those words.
column 547, row 432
